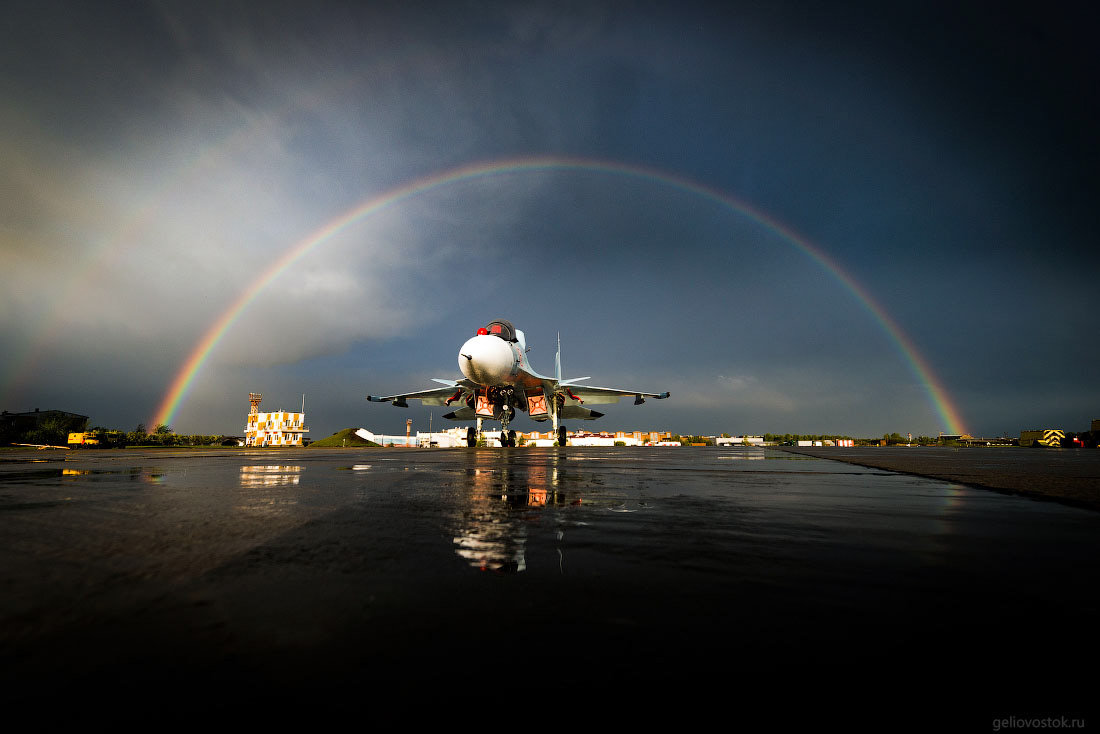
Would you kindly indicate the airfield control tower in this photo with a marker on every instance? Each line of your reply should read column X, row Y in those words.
column 281, row 428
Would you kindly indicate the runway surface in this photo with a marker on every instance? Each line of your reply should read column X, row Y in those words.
column 757, row 583
column 1071, row 476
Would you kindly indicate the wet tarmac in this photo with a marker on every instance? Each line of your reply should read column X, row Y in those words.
column 1071, row 476
column 760, row 584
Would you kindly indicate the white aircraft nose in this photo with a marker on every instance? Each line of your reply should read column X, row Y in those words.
column 487, row 360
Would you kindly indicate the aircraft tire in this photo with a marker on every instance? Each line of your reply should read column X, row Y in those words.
column 512, row 439
column 471, row 437
column 561, row 435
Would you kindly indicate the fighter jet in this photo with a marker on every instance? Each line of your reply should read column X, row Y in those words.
column 498, row 381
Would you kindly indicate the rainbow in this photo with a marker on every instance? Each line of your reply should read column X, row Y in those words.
column 180, row 385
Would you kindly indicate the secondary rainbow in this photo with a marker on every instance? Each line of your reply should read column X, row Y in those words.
column 180, row 385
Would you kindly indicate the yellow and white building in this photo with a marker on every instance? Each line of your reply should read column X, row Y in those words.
column 281, row 428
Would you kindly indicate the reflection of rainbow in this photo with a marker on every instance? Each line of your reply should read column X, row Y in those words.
column 182, row 382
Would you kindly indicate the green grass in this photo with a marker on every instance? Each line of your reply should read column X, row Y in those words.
column 342, row 438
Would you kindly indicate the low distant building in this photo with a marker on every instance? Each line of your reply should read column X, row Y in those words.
column 422, row 439
column 40, row 426
column 603, row 438
column 446, row 439
column 540, row 438
column 739, row 441
column 280, row 428
column 31, row 419
column 999, row 441
column 1042, row 437
column 456, row 437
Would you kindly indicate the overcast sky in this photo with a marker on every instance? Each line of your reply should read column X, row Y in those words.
column 158, row 157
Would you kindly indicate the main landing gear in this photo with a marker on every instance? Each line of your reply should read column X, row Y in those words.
column 504, row 403
column 507, row 438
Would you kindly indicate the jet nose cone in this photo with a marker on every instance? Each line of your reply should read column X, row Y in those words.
column 487, row 360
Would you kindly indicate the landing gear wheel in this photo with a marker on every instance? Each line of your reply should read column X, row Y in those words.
column 561, row 435
column 512, row 439
column 471, row 437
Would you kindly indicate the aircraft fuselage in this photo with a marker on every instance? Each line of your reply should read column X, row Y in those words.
column 493, row 362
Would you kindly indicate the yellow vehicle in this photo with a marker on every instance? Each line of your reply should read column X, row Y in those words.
column 83, row 439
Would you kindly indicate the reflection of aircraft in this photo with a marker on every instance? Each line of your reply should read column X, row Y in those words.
column 493, row 525
column 499, row 381
column 40, row 446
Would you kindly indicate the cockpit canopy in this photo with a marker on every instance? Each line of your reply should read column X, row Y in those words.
column 503, row 329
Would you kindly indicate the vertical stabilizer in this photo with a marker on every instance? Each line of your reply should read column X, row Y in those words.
column 557, row 360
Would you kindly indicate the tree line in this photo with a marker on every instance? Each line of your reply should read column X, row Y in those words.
column 55, row 430
column 162, row 435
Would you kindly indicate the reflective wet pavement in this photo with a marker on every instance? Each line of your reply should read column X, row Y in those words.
column 1069, row 476
column 736, row 579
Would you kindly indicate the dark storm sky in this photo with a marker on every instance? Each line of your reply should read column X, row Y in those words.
column 157, row 157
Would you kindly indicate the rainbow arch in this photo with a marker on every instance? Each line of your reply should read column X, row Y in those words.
column 181, row 383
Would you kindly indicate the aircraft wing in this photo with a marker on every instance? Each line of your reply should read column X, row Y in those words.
column 433, row 396
column 589, row 394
